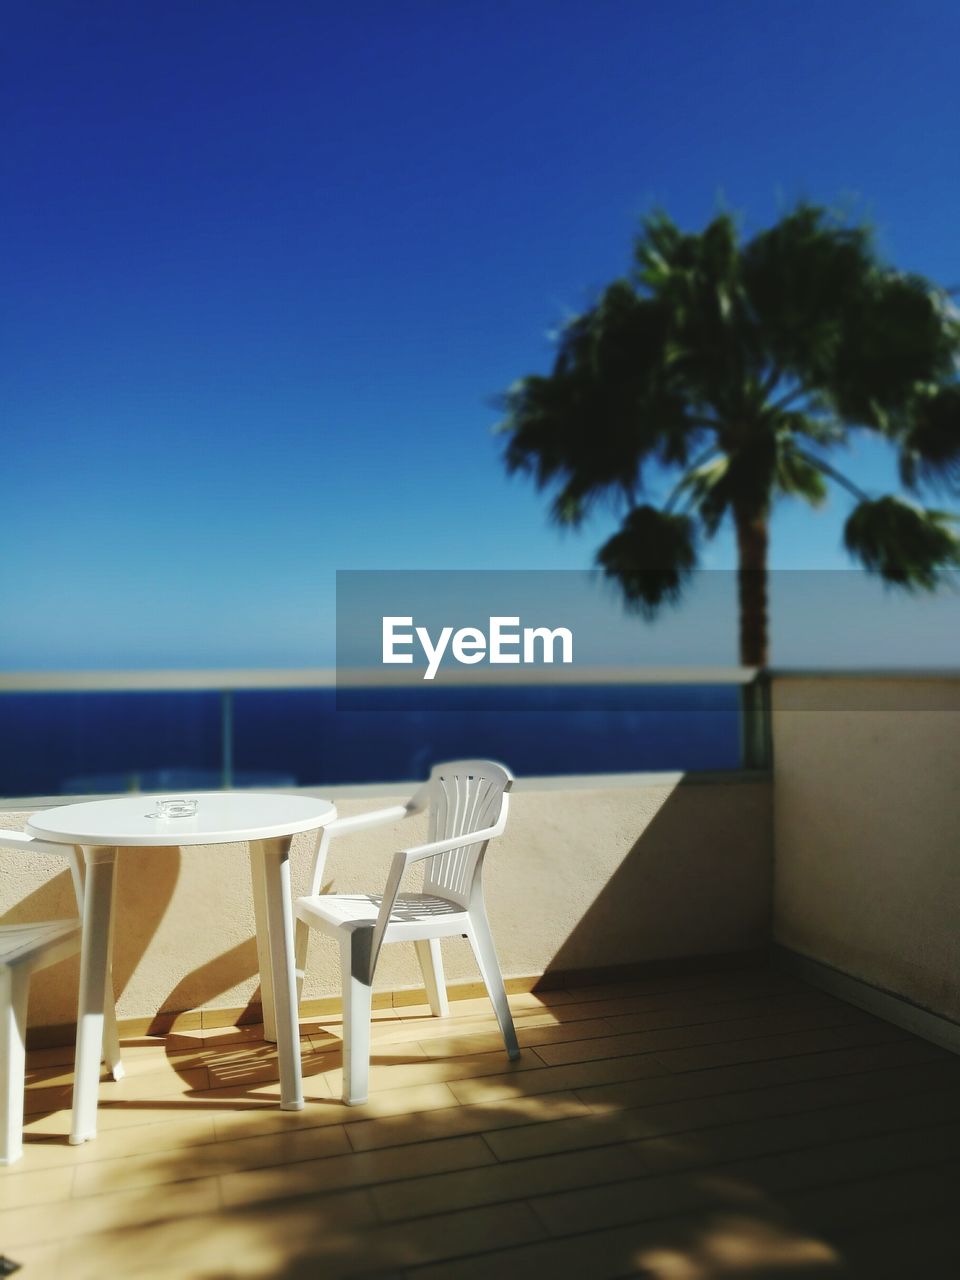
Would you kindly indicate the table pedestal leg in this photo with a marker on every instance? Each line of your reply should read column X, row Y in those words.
column 94, row 988
column 258, row 876
column 269, row 861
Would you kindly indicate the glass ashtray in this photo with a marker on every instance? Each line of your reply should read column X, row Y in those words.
column 175, row 808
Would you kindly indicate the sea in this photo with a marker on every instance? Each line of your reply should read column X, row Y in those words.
column 104, row 742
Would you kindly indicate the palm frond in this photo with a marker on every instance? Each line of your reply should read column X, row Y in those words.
column 705, row 488
column 908, row 546
column 799, row 277
column 930, row 447
column 650, row 558
column 743, row 478
column 893, row 342
column 799, row 477
column 611, row 404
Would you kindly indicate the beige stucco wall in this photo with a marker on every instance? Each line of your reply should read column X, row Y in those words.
column 867, row 830
column 589, row 873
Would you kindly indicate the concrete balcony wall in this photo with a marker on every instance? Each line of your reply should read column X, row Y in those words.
column 592, row 872
column 867, row 830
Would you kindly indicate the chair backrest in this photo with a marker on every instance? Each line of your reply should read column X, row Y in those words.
column 464, row 796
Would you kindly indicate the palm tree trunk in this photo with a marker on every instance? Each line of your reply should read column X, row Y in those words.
column 752, row 542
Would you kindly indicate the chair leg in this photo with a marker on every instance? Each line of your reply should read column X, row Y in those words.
column 301, row 943
column 111, row 1038
column 96, row 990
column 258, row 876
column 431, row 966
column 357, row 992
column 479, row 937
column 14, row 986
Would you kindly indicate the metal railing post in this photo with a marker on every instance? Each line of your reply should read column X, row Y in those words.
column 226, row 738
column 756, row 740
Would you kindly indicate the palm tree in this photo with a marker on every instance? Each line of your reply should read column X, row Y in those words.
column 738, row 366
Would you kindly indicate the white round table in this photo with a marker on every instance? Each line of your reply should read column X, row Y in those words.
column 267, row 822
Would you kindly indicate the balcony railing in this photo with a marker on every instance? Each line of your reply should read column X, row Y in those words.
column 102, row 732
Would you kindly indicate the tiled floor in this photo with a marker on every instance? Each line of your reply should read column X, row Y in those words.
column 739, row 1126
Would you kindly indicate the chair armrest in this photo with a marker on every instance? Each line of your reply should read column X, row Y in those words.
column 364, row 821
column 346, row 827
column 404, row 859
column 421, row 851
column 20, row 840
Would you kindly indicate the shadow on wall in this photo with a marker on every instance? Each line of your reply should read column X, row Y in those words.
column 144, row 888
column 203, row 984
column 663, row 873
column 57, row 984
column 697, row 882
column 684, row 872
column 143, row 893
column 53, row 900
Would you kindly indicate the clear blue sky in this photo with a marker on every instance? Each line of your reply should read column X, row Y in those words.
column 268, row 264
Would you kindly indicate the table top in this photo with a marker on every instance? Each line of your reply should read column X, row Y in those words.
column 221, row 816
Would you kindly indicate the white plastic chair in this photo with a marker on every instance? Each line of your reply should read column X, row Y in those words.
column 468, row 804
column 25, row 948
